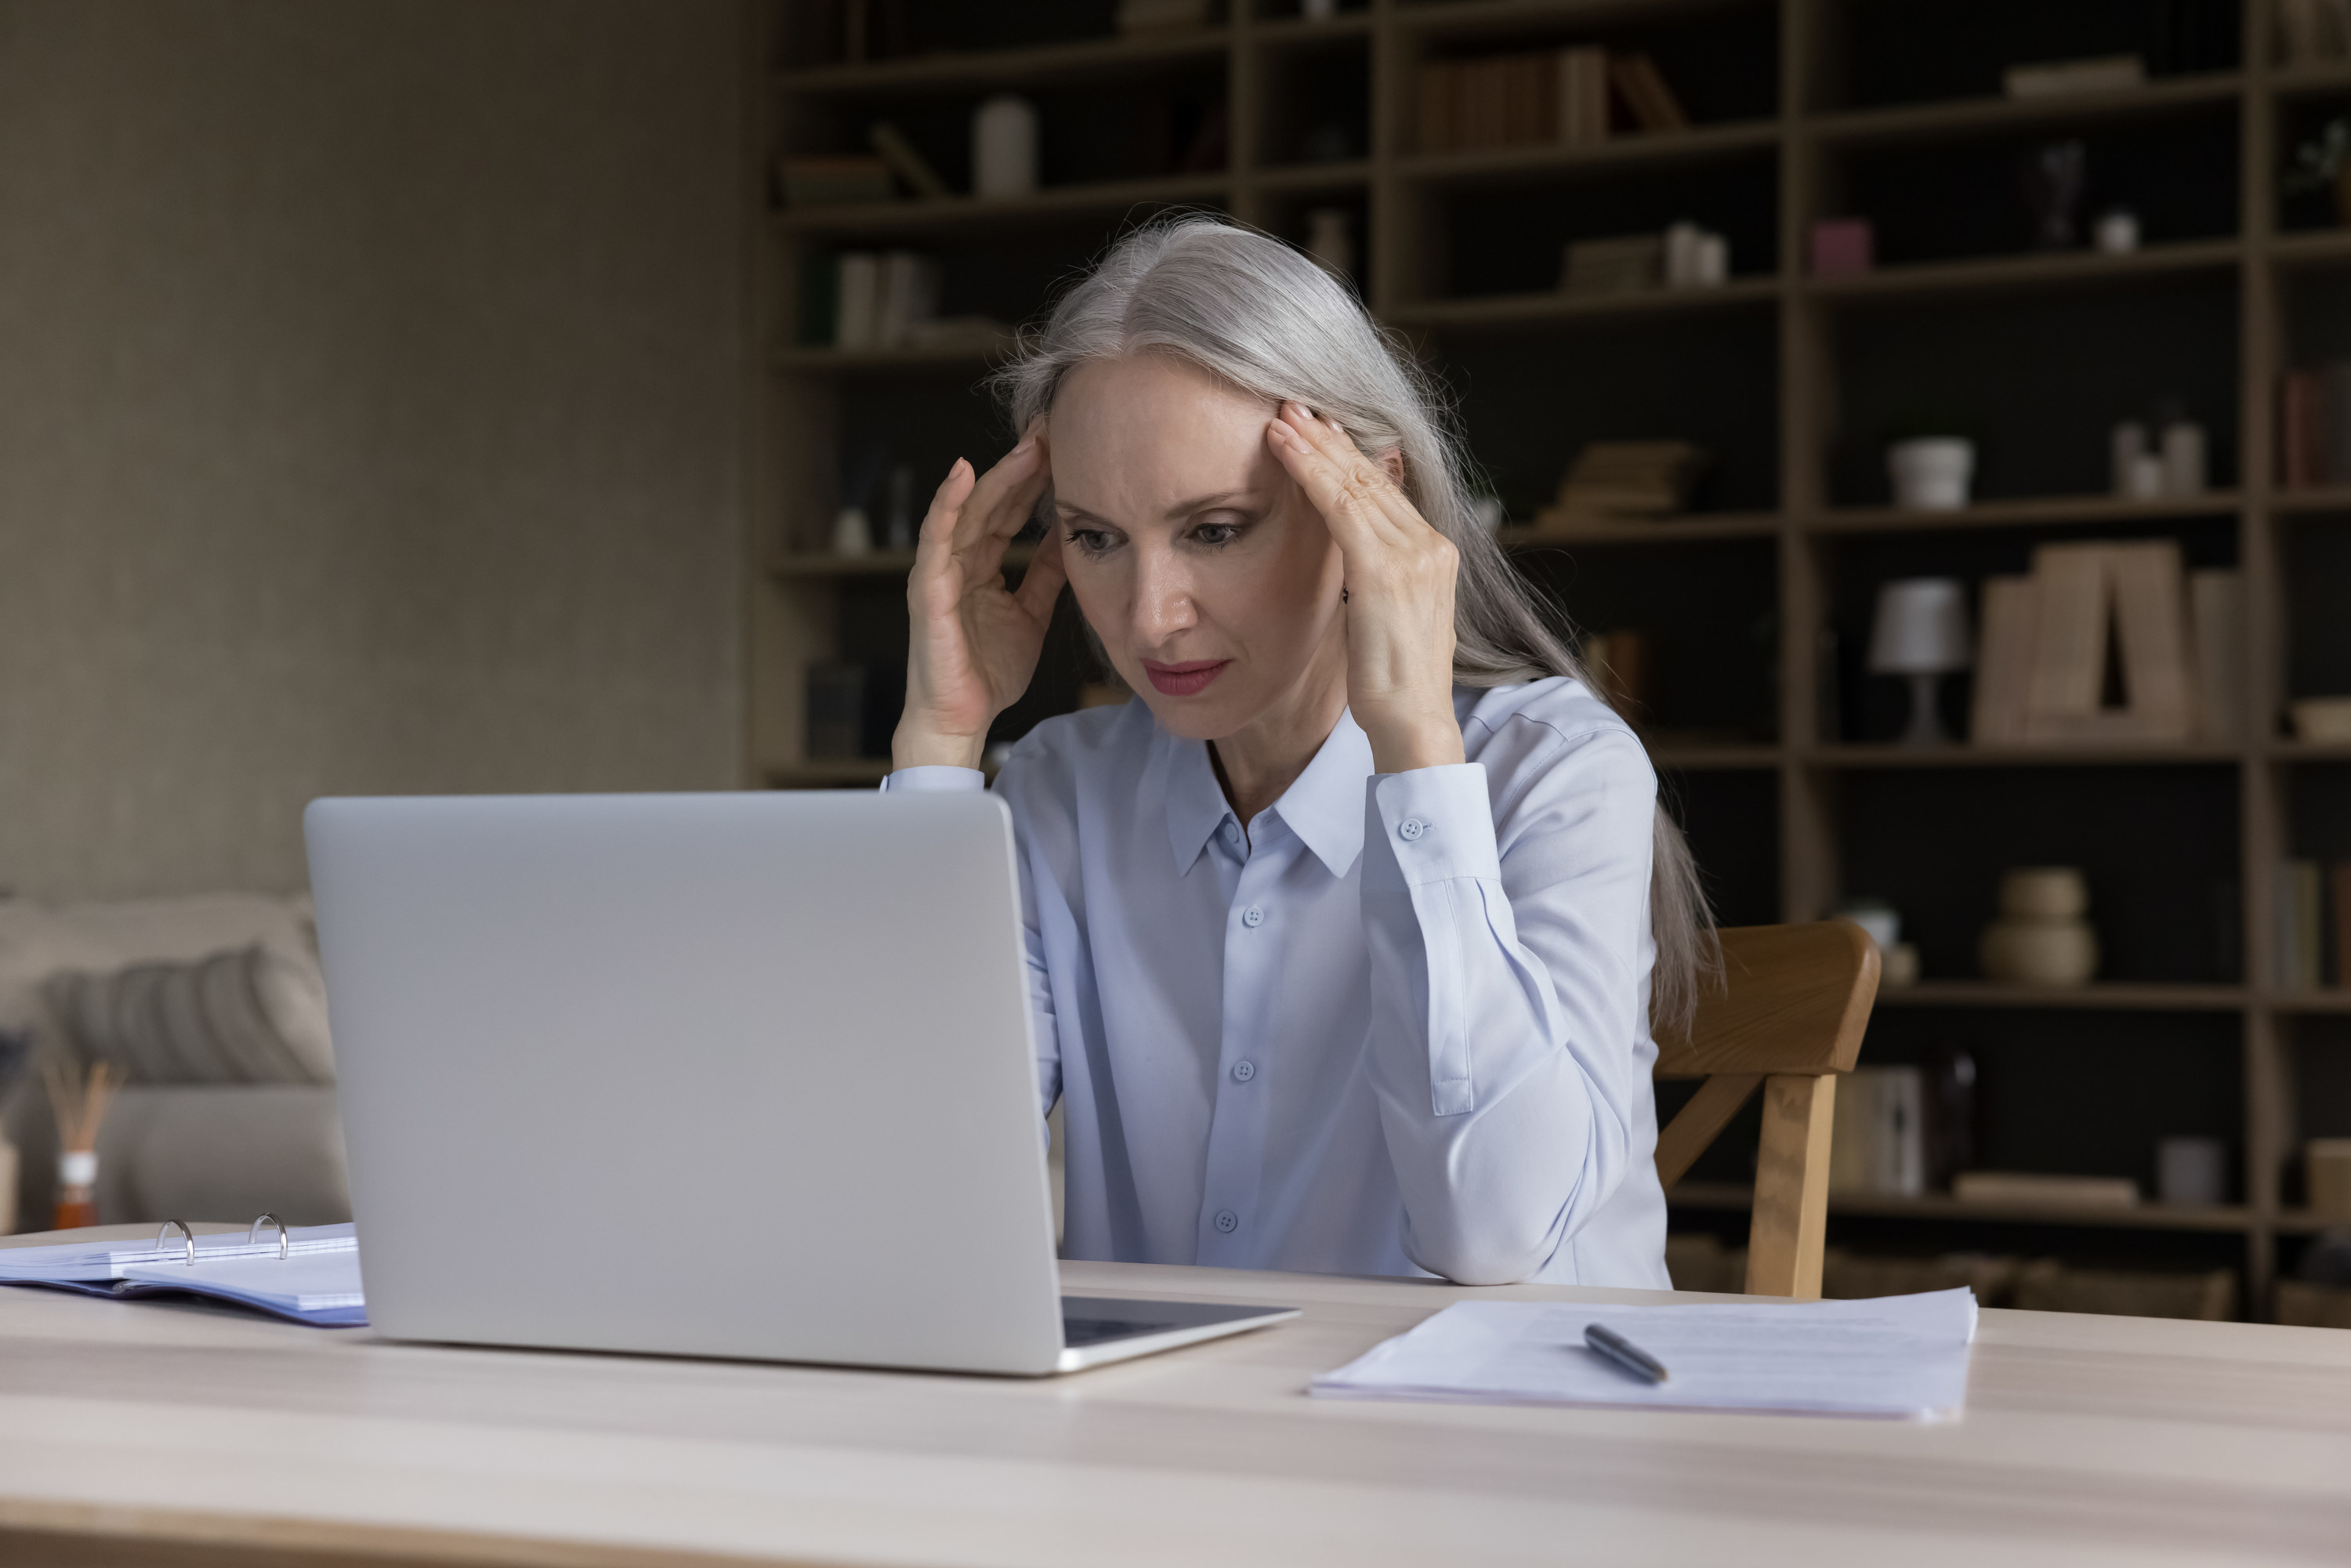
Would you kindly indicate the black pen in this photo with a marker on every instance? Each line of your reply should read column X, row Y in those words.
column 1611, row 1345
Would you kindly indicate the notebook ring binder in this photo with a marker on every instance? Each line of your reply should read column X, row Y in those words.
column 181, row 1226
column 284, row 1243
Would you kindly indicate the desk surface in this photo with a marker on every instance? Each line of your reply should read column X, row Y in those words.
column 2086, row 1440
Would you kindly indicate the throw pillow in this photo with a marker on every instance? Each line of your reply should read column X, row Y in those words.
column 252, row 1015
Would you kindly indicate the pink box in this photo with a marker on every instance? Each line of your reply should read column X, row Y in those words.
column 1842, row 246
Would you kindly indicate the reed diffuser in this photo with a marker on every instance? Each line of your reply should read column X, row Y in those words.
column 80, row 1105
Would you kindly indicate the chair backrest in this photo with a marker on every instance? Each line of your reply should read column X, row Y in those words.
column 1787, row 1017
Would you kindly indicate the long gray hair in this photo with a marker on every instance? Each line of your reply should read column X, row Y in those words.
column 1267, row 319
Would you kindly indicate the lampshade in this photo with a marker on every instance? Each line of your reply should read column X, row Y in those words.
column 1922, row 628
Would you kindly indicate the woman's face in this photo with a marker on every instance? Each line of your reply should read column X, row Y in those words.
column 1210, row 577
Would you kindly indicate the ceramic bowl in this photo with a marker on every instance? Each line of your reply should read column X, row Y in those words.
column 2040, row 952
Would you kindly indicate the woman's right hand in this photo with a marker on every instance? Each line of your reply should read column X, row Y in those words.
column 975, row 643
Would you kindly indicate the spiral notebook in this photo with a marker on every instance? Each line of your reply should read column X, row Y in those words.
column 305, row 1274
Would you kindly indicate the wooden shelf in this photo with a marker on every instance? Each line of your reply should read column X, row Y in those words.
column 2303, row 1222
column 2333, row 1000
column 1491, row 164
column 1314, row 176
column 949, row 213
column 2026, row 513
column 2023, row 274
column 1796, row 410
column 1965, row 116
column 1502, row 311
column 2132, row 1216
column 1861, row 757
column 887, row 361
column 2112, row 996
column 997, row 68
column 2322, row 498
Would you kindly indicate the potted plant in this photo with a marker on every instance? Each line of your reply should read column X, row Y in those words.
column 2324, row 164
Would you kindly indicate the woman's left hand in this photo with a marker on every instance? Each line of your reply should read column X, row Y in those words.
column 1400, row 576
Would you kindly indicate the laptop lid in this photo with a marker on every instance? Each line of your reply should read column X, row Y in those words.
column 735, row 1074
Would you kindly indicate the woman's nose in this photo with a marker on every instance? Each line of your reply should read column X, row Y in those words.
column 1163, row 597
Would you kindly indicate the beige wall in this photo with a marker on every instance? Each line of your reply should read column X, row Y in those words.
column 371, row 390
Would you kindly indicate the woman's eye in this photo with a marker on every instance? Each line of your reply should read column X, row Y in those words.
column 1093, row 541
column 1215, row 534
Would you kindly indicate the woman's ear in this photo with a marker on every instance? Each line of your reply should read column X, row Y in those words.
column 1391, row 463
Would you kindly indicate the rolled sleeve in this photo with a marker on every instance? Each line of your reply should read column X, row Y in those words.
column 934, row 781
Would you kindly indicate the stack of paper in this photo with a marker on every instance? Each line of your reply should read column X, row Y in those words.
column 1903, row 1357
column 317, row 1282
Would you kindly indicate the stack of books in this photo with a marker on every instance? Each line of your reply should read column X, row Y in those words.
column 1877, row 1144
column 2313, row 925
column 883, row 299
column 1621, row 264
column 2314, row 427
column 1627, row 479
column 1565, row 96
column 2042, row 672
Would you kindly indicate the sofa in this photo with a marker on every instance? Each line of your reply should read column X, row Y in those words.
column 198, row 1134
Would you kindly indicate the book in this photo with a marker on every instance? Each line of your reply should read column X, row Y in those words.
column 2311, row 31
column 907, row 295
column 2127, row 599
column 2107, row 73
column 2021, row 1186
column 906, row 162
column 307, row 1274
column 1619, row 264
column 2302, row 453
column 2216, row 618
column 1643, row 87
column 1438, row 79
column 1640, row 478
column 2004, row 660
column 2338, row 879
column 857, row 298
column 1582, row 96
column 2335, row 423
column 2300, row 937
column 1877, row 1140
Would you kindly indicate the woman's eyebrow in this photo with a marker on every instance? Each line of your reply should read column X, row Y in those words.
column 1219, row 499
column 1071, row 512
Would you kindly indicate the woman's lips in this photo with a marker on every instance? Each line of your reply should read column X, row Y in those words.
column 1183, row 680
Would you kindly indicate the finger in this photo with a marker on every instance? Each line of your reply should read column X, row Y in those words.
column 1017, row 470
column 1346, row 509
column 934, row 544
column 1042, row 585
column 1370, row 478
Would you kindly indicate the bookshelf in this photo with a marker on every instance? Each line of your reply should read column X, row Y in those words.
column 1775, row 750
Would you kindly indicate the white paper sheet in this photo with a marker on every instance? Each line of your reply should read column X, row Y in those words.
column 96, row 1261
column 297, row 1286
column 1904, row 1356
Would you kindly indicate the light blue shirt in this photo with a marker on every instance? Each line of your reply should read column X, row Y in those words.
column 1399, row 1024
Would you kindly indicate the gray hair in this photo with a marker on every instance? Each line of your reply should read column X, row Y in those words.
column 1269, row 322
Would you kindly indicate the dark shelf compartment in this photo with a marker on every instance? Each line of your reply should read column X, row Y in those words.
column 1875, row 708
column 1712, row 377
column 1722, row 61
column 1928, row 51
column 2158, row 844
column 1320, row 108
column 2097, row 357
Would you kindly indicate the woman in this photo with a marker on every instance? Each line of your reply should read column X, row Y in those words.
column 1341, row 937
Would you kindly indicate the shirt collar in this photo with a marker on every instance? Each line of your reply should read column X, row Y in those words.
column 1323, row 806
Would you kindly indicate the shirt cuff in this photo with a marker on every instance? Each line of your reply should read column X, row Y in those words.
column 1438, row 822
column 934, row 781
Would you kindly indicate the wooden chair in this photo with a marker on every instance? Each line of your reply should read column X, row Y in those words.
column 1788, row 1015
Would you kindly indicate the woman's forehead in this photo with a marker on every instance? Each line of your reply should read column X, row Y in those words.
column 1133, row 438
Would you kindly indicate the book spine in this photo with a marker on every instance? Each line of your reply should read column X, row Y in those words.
column 859, row 297
column 2308, row 908
column 2151, row 615
column 2299, row 457
column 2069, row 640
column 2216, row 606
column 2009, row 611
column 2340, row 888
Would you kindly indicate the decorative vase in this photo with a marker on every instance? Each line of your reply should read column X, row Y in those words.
column 2040, row 937
column 1932, row 473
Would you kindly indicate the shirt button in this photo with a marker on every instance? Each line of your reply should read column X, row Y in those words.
column 1244, row 1071
column 1252, row 918
column 1232, row 832
column 1412, row 827
column 1228, row 1221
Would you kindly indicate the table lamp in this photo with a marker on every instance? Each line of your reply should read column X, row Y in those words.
column 1921, row 633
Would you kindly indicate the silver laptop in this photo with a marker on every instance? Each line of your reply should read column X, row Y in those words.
column 731, row 1075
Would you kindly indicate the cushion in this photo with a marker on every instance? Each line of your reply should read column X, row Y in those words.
column 252, row 1015
column 160, row 1155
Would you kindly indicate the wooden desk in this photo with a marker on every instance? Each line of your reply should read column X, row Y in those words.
column 134, row 1433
